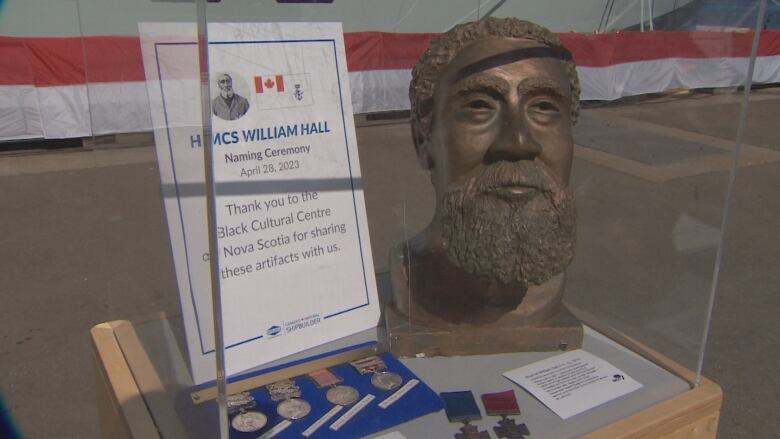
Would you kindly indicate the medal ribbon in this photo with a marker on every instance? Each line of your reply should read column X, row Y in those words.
column 369, row 365
column 501, row 403
column 324, row 378
column 460, row 406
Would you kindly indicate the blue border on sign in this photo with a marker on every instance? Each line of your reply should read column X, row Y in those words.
column 176, row 187
column 176, row 183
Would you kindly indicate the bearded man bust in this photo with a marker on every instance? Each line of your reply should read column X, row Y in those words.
column 493, row 104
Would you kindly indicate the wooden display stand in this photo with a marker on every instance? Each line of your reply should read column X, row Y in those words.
column 124, row 412
column 121, row 408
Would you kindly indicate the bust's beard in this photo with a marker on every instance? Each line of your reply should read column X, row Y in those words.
column 526, row 241
column 227, row 94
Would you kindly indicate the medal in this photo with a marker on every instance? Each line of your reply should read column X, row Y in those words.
column 239, row 398
column 382, row 379
column 386, row 380
column 339, row 395
column 462, row 407
column 342, row 395
column 240, row 402
column 292, row 409
column 248, row 422
column 284, row 389
column 469, row 431
column 232, row 410
column 503, row 404
column 509, row 430
column 324, row 378
column 369, row 365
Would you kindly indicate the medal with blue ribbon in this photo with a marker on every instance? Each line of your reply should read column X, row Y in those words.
column 462, row 407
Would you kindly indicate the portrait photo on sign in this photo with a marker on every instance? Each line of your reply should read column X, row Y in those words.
column 229, row 96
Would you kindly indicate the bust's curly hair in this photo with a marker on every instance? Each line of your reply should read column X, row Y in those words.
column 446, row 47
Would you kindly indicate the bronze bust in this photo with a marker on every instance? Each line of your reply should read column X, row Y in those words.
column 493, row 103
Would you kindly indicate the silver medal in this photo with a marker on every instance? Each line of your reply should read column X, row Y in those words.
column 248, row 422
column 239, row 399
column 386, row 380
column 342, row 395
column 293, row 409
column 284, row 389
column 232, row 410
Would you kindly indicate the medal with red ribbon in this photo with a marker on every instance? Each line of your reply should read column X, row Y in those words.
column 501, row 403
column 504, row 404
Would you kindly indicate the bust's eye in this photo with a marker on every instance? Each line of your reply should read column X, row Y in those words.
column 544, row 111
column 478, row 109
column 479, row 104
column 545, row 106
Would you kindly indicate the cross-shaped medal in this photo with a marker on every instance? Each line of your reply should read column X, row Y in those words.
column 471, row 432
column 509, row 430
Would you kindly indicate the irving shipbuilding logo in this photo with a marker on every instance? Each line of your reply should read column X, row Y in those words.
column 273, row 331
column 275, row 90
column 302, row 323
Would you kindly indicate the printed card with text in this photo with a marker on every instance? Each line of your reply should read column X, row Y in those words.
column 573, row 382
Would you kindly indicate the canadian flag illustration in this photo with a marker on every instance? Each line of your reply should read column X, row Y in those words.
column 286, row 90
column 266, row 83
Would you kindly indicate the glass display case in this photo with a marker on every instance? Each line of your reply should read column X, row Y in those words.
column 320, row 210
column 645, row 234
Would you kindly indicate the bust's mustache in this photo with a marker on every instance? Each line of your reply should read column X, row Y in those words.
column 503, row 174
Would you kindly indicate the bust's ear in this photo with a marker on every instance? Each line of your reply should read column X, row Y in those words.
column 421, row 144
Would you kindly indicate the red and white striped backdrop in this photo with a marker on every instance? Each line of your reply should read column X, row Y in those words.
column 43, row 90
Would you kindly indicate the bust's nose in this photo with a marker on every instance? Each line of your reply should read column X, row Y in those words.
column 514, row 141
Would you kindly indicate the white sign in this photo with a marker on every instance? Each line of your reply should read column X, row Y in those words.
column 571, row 383
column 294, row 252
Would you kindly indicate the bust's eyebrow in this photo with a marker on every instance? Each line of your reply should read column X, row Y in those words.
column 490, row 85
column 537, row 84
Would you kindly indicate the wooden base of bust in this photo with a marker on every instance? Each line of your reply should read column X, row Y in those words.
column 562, row 331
